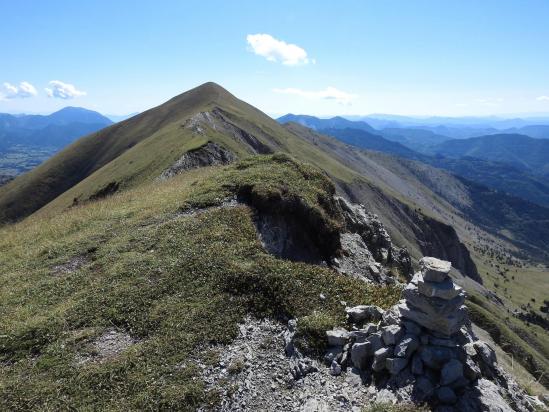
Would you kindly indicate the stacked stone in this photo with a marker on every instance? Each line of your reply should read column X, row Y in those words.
column 422, row 342
column 433, row 300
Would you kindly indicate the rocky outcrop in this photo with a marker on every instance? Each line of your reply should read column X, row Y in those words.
column 367, row 249
column 211, row 154
column 220, row 121
column 433, row 237
column 441, row 240
column 285, row 237
column 423, row 349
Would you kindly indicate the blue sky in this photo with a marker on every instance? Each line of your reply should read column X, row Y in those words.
column 319, row 57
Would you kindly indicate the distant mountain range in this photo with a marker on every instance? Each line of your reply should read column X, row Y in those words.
column 27, row 140
column 515, row 164
column 523, row 152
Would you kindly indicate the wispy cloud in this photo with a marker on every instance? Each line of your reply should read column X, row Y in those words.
column 490, row 101
column 542, row 99
column 276, row 50
column 329, row 93
column 61, row 90
column 24, row 90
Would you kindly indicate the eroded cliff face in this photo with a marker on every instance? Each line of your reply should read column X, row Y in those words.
column 441, row 240
column 407, row 226
column 211, row 154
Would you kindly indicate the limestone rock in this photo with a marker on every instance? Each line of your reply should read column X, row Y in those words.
column 431, row 305
column 337, row 337
column 486, row 353
column 446, row 289
column 484, row 397
column 391, row 334
column 395, row 365
column 470, row 369
column 361, row 313
column 333, row 353
column 360, row 352
column 361, row 334
column 407, row 346
column 434, row 270
column 375, row 341
column 436, row 356
column 391, row 317
column 335, row 368
column 412, row 327
column 447, row 325
column 380, row 356
column 356, row 260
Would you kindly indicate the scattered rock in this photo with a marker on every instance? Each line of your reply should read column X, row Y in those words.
column 364, row 313
column 380, row 356
column 107, row 347
column 71, row 266
column 412, row 327
column 265, row 383
column 335, row 368
column 391, row 334
column 337, row 337
column 360, row 353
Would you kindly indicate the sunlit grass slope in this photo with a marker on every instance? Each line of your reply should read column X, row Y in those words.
column 172, row 280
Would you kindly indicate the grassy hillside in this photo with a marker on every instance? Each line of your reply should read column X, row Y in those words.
column 161, row 278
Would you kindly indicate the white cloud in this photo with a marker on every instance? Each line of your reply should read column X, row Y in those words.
column 329, row 93
column 62, row 90
column 276, row 50
column 11, row 91
column 543, row 99
column 490, row 101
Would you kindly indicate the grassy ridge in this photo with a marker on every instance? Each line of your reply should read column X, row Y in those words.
column 174, row 282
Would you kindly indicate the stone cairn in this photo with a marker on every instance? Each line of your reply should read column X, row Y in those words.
column 423, row 345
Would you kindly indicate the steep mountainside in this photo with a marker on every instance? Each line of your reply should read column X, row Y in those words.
column 444, row 196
